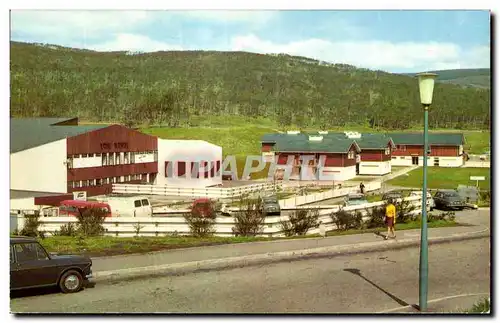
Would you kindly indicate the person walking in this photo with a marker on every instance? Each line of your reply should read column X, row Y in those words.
column 390, row 219
column 362, row 188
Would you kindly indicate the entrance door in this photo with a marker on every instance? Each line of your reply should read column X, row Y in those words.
column 414, row 160
column 357, row 168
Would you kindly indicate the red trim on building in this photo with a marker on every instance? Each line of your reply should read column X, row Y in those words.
column 115, row 138
column 52, row 200
column 79, row 174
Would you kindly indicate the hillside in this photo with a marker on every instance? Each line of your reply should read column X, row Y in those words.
column 480, row 77
column 177, row 88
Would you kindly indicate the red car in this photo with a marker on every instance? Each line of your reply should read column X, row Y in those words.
column 204, row 206
column 73, row 207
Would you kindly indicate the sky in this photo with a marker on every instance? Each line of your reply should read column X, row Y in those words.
column 400, row 41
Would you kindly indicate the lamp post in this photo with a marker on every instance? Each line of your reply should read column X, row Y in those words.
column 426, row 87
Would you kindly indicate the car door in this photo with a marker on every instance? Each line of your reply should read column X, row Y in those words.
column 138, row 209
column 147, row 210
column 33, row 266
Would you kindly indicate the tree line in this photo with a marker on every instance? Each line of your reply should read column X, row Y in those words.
column 168, row 88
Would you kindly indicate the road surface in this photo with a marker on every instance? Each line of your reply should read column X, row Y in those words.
column 354, row 284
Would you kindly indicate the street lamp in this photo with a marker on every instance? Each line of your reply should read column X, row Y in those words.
column 426, row 87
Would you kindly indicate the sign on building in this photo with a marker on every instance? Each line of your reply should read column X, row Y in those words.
column 268, row 156
column 80, row 196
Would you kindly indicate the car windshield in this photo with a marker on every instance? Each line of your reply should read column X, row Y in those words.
column 451, row 194
column 269, row 200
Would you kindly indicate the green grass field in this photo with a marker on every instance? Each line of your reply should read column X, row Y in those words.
column 441, row 177
column 241, row 136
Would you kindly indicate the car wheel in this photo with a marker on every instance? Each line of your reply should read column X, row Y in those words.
column 71, row 282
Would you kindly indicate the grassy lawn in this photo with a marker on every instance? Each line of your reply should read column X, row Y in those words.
column 440, row 177
column 107, row 246
column 483, row 306
column 240, row 136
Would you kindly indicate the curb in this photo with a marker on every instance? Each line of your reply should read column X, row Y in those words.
column 178, row 269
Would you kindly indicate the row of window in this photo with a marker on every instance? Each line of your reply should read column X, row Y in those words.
column 208, row 169
column 116, row 158
column 109, row 180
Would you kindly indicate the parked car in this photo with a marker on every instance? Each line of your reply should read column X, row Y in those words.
column 485, row 155
column 430, row 200
column 355, row 199
column 392, row 195
column 204, row 206
column 449, row 199
column 128, row 206
column 32, row 266
column 74, row 207
column 271, row 205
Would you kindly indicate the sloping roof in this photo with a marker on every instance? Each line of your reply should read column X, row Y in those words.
column 328, row 145
column 26, row 133
column 446, row 139
column 367, row 140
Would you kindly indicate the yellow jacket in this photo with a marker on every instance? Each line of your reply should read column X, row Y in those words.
column 390, row 211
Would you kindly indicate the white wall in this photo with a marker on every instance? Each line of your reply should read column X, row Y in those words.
column 443, row 161
column 82, row 162
column 451, row 161
column 338, row 173
column 374, row 168
column 40, row 168
column 187, row 150
column 27, row 203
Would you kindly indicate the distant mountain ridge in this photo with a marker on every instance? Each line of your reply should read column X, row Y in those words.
column 468, row 77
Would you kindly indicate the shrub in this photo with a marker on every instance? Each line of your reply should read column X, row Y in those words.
column 201, row 221
column 31, row 225
column 137, row 228
column 300, row 222
column 249, row 221
column 403, row 211
column 68, row 229
column 90, row 222
column 376, row 217
column 345, row 220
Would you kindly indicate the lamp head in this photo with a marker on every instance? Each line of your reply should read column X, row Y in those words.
column 426, row 86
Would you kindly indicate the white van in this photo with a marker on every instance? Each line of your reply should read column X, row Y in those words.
column 129, row 206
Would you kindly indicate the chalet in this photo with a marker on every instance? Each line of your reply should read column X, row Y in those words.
column 311, row 156
column 446, row 149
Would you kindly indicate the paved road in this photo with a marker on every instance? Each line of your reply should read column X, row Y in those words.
column 357, row 283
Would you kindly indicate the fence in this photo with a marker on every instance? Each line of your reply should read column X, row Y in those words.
column 210, row 192
column 316, row 197
column 161, row 226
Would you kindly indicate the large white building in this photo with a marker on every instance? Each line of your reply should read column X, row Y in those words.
column 53, row 157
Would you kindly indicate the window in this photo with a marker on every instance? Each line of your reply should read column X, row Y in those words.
column 111, row 159
column 91, row 155
column 126, row 157
column 84, row 155
column 402, row 147
column 117, row 158
column 145, row 202
column 387, row 151
column 394, row 157
column 98, row 155
column 99, row 182
column 104, row 159
column 30, row 251
column 137, row 203
column 350, row 155
column 77, row 184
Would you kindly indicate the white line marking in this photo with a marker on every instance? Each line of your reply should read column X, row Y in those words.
column 433, row 301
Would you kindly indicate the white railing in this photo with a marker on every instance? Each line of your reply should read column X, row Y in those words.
column 325, row 195
column 210, row 192
column 161, row 226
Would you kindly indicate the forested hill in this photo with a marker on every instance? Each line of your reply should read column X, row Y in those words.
column 473, row 77
column 167, row 88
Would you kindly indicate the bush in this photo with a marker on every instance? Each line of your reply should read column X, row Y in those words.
column 90, row 222
column 249, row 221
column 345, row 220
column 31, row 225
column 300, row 222
column 376, row 217
column 201, row 221
column 444, row 216
column 403, row 211
column 68, row 230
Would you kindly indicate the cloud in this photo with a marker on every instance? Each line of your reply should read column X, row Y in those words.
column 134, row 42
column 373, row 54
column 230, row 16
column 58, row 24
